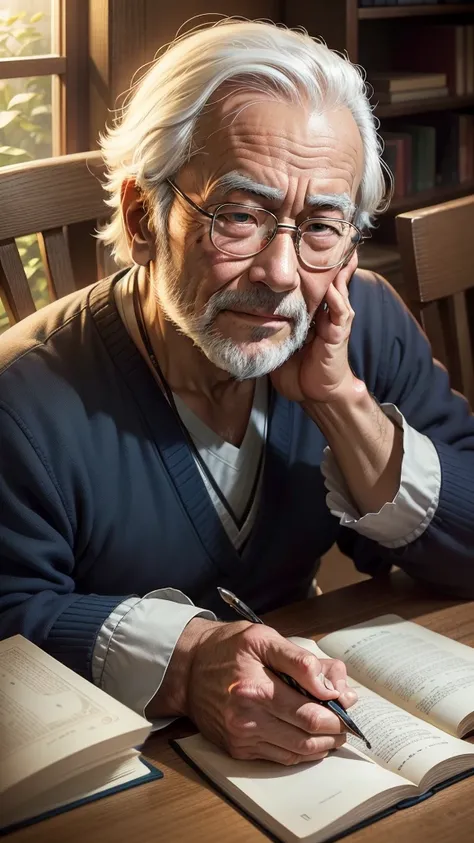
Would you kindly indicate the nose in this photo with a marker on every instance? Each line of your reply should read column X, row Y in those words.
column 277, row 265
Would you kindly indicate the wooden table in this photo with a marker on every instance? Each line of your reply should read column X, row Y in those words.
column 181, row 809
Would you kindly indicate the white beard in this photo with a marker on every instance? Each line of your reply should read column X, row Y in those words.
column 236, row 358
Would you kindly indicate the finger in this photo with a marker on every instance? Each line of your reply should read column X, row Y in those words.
column 286, row 657
column 335, row 671
column 290, row 706
column 348, row 271
column 348, row 697
column 269, row 752
column 340, row 283
column 338, row 306
column 282, row 734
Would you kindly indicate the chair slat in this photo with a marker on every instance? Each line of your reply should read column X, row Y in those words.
column 51, row 193
column 437, row 255
column 57, row 261
column 83, row 251
column 431, row 320
column 464, row 345
column 14, row 288
column 436, row 245
column 105, row 261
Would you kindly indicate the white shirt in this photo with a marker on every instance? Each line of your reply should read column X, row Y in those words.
column 237, row 472
column 136, row 642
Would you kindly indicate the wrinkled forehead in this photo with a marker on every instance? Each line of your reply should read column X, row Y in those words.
column 281, row 141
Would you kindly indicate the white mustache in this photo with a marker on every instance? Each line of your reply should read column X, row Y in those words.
column 288, row 305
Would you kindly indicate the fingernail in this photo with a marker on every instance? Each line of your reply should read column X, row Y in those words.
column 326, row 682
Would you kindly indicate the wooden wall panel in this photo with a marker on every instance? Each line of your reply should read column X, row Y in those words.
column 125, row 34
column 161, row 29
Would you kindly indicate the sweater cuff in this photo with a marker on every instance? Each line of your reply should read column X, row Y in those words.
column 456, row 498
column 72, row 636
column 402, row 520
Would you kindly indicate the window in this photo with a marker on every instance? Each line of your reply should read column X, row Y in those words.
column 35, row 36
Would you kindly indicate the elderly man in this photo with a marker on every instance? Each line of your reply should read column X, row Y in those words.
column 226, row 407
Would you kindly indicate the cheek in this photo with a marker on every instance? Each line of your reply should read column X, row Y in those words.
column 208, row 270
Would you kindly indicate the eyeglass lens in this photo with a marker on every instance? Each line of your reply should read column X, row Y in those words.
column 244, row 232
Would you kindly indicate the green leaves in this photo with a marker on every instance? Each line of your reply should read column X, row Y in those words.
column 6, row 117
column 39, row 110
column 14, row 152
column 21, row 99
column 21, row 37
column 25, row 128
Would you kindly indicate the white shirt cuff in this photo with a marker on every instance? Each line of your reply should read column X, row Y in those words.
column 135, row 644
column 407, row 516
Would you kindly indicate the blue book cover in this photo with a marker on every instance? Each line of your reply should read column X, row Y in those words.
column 150, row 773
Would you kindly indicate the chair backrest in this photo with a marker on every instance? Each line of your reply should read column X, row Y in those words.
column 61, row 200
column 437, row 255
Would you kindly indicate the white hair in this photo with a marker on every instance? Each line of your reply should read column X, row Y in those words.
column 152, row 137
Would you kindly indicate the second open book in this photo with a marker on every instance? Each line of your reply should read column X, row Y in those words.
column 416, row 700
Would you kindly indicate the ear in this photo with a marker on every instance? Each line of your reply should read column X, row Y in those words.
column 135, row 217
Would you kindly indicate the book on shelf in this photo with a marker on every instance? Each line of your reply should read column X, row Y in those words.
column 423, row 155
column 390, row 97
column 469, row 49
column 435, row 48
column 466, row 147
column 63, row 740
column 434, row 150
column 392, row 82
column 416, row 702
column 397, row 154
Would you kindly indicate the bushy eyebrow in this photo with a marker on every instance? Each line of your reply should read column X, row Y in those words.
column 333, row 202
column 235, row 181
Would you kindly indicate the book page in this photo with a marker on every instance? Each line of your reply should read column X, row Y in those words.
column 114, row 773
column 303, row 799
column 400, row 742
column 47, row 713
column 424, row 672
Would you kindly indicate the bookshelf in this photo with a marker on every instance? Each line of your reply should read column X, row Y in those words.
column 431, row 197
column 379, row 12
column 370, row 36
column 425, row 106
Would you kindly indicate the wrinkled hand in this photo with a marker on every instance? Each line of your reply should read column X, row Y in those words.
column 240, row 705
column 320, row 371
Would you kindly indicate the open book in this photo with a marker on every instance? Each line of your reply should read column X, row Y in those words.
column 416, row 700
column 62, row 740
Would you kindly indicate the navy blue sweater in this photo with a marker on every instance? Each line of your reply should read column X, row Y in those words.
column 100, row 497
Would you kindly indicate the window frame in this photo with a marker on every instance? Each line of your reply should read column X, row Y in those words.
column 68, row 65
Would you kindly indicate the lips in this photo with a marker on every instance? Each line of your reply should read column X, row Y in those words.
column 270, row 317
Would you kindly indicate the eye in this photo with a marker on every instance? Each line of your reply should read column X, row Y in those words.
column 321, row 227
column 237, row 217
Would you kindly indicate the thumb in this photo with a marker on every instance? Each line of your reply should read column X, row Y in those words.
column 299, row 664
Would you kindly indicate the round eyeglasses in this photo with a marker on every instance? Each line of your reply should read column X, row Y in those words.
column 243, row 231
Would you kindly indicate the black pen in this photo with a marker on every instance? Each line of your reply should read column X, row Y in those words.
column 332, row 705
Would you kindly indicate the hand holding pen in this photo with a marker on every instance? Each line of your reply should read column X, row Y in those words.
column 333, row 705
column 222, row 676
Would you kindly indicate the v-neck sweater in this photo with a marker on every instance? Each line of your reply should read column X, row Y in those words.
column 101, row 499
column 231, row 475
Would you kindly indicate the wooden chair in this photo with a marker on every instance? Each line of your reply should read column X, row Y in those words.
column 60, row 200
column 437, row 255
